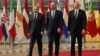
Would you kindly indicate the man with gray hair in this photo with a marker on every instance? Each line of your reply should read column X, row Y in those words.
column 76, row 27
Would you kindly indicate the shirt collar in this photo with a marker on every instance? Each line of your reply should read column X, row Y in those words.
column 76, row 9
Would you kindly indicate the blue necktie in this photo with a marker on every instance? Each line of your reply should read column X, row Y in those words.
column 53, row 15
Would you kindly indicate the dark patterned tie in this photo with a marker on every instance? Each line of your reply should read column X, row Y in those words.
column 35, row 17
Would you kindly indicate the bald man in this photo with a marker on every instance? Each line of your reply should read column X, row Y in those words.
column 76, row 27
column 36, row 28
column 53, row 28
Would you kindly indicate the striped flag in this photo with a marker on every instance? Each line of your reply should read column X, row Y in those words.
column 12, row 30
column 65, row 17
column 4, row 20
column 25, row 19
column 42, row 9
column 19, row 21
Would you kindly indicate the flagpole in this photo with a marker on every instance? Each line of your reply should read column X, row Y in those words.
column 99, row 21
column 18, row 45
column 4, row 47
column 12, row 44
column 25, row 48
column 66, row 43
column 92, row 43
column 25, row 22
column 58, row 8
column 83, row 7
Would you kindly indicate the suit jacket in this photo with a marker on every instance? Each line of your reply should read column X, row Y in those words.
column 36, row 24
column 79, row 22
column 55, row 23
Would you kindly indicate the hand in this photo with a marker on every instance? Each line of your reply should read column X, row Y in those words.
column 46, row 32
column 28, row 34
column 83, row 31
column 58, row 30
column 41, row 33
column 69, row 32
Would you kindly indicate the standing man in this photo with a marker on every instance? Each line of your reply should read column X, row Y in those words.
column 76, row 27
column 53, row 28
column 36, row 28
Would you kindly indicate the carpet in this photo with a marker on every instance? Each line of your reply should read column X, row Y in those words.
column 84, row 53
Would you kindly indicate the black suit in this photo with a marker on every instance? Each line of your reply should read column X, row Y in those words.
column 52, row 24
column 75, row 26
column 36, row 26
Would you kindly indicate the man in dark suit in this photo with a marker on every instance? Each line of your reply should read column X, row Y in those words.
column 76, row 27
column 53, row 27
column 36, row 28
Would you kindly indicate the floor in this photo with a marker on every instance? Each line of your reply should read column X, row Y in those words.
column 22, row 49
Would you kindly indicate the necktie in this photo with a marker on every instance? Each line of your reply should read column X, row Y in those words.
column 76, row 13
column 35, row 16
column 53, row 14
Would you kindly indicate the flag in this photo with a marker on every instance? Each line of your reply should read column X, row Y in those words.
column 25, row 19
column 42, row 8
column 34, row 3
column 4, row 20
column 99, row 22
column 12, row 30
column 19, row 22
column 49, row 2
column 65, row 17
column 91, row 24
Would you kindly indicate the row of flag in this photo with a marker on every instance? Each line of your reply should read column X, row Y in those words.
column 16, row 26
column 19, row 26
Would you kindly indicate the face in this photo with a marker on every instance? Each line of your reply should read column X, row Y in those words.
column 76, row 5
column 36, row 9
column 53, row 6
